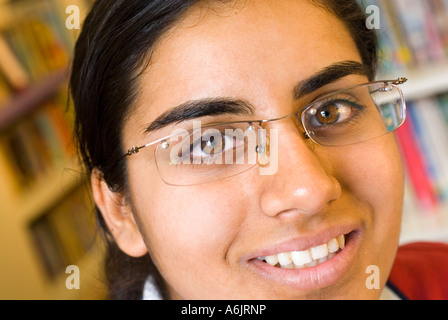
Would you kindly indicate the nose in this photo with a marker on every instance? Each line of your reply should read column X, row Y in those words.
column 303, row 183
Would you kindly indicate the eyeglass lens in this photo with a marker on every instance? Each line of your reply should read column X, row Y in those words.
column 216, row 152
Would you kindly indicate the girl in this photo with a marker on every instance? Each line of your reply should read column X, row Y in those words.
column 167, row 95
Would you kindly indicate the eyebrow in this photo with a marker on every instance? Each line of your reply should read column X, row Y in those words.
column 219, row 106
column 329, row 75
column 201, row 108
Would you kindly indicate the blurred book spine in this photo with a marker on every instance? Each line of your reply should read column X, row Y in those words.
column 34, row 46
column 412, row 33
column 423, row 140
column 64, row 233
column 416, row 166
column 38, row 144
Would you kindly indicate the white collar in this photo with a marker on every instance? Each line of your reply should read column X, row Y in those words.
column 150, row 291
column 389, row 294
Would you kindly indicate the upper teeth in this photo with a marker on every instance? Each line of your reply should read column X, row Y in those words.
column 309, row 257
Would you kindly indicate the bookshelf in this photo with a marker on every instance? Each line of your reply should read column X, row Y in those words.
column 19, row 105
column 432, row 227
column 413, row 40
column 423, row 82
column 46, row 207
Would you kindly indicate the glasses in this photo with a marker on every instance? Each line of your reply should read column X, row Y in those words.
column 217, row 151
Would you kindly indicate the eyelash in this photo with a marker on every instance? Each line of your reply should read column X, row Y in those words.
column 209, row 158
column 345, row 101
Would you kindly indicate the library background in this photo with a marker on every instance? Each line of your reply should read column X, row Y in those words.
column 46, row 213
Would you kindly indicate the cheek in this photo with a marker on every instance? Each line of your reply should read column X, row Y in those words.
column 188, row 230
column 373, row 174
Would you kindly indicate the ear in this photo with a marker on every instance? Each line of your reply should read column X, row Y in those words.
column 118, row 216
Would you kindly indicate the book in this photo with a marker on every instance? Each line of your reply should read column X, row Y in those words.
column 443, row 100
column 15, row 148
column 61, row 127
column 64, row 233
column 439, row 14
column 419, row 29
column 415, row 166
column 49, row 249
column 40, row 143
column 432, row 33
column 62, row 226
column 35, row 45
column 12, row 69
column 434, row 134
column 412, row 33
column 392, row 54
column 49, row 135
column 10, row 186
column 82, row 215
column 421, row 141
column 5, row 92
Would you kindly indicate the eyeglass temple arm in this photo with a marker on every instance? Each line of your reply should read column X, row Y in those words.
column 133, row 150
column 398, row 81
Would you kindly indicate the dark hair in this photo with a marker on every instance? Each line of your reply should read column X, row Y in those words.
column 113, row 49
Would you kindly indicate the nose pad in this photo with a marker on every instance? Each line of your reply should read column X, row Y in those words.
column 264, row 151
column 308, row 141
column 263, row 148
column 306, row 136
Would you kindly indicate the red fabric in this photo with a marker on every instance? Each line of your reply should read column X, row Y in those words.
column 420, row 271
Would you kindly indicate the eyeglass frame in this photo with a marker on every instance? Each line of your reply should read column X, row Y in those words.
column 398, row 81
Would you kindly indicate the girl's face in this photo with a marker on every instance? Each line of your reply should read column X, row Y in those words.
column 206, row 239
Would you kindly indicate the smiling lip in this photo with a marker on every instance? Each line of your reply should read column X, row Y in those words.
column 310, row 278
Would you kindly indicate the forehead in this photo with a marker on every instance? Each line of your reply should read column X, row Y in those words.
column 253, row 50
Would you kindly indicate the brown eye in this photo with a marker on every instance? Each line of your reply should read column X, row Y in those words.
column 328, row 114
column 331, row 113
column 211, row 145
